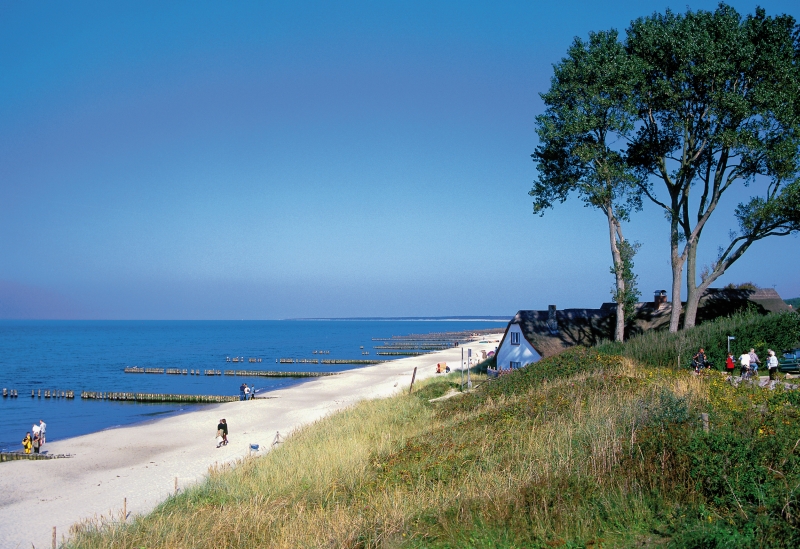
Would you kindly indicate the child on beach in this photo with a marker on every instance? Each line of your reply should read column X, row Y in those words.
column 27, row 443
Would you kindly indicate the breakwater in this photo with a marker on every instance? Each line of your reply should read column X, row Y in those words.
column 403, row 353
column 156, row 397
column 354, row 362
column 267, row 373
column 48, row 393
column 248, row 373
column 16, row 456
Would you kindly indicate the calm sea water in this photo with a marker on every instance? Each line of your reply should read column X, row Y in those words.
column 91, row 356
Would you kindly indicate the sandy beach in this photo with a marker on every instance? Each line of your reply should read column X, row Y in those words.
column 140, row 463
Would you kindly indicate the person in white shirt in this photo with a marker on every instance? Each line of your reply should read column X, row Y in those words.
column 772, row 364
column 744, row 362
column 42, row 427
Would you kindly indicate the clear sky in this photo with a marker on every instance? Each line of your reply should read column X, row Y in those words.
column 258, row 160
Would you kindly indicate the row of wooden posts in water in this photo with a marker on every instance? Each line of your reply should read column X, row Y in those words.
column 248, row 373
column 174, row 371
column 14, row 393
column 156, row 397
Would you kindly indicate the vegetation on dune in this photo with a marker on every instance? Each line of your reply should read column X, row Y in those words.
column 584, row 449
column 762, row 332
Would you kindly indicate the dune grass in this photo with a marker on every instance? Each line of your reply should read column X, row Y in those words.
column 586, row 449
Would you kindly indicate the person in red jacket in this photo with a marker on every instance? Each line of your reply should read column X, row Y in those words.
column 729, row 364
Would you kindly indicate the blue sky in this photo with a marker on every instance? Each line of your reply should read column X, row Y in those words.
column 272, row 160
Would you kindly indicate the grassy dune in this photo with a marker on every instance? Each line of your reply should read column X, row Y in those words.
column 586, row 449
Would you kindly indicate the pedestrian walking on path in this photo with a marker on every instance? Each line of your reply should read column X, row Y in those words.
column 772, row 364
column 754, row 362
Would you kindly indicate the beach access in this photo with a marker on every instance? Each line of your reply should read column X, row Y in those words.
column 134, row 468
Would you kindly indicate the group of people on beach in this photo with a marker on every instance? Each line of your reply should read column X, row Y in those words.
column 247, row 393
column 748, row 363
column 34, row 443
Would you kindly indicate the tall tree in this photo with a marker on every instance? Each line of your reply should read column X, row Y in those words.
column 718, row 104
column 589, row 114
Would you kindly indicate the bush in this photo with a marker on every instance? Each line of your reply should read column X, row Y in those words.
column 777, row 331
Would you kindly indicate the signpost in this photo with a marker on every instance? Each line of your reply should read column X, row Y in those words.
column 469, row 365
column 462, row 369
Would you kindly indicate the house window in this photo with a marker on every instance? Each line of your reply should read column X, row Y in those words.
column 515, row 338
column 515, row 365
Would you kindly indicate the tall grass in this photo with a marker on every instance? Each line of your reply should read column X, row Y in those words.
column 585, row 449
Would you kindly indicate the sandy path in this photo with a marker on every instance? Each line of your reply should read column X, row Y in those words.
column 140, row 462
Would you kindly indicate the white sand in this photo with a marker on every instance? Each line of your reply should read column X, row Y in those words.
column 140, row 462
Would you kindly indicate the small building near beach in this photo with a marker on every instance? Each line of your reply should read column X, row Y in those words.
column 533, row 335
column 516, row 350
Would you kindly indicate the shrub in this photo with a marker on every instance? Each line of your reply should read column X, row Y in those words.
column 777, row 331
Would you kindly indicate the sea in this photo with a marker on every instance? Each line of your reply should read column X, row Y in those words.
column 92, row 355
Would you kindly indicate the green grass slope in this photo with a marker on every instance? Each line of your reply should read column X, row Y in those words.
column 585, row 449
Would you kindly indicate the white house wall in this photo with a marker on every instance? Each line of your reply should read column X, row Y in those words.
column 522, row 353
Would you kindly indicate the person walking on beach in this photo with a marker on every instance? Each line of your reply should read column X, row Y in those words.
column 754, row 362
column 246, row 392
column 42, row 427
column 241, row 391
column 27, row 443
column 222, row 432
column 772, row 364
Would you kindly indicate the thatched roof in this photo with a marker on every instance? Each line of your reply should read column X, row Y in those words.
column 591, row 326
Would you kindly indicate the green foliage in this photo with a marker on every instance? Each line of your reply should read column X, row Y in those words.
column 589, row 106
column 718, row 104
column 751, row 286
column 775, row 331
column 435, row 389
column 590, row 110
column 629, row 294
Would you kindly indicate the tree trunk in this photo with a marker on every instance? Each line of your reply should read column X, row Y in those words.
column 677, row 269
column 692, row 293
column 616, row 256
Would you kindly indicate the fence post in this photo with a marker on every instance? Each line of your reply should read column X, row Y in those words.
column 54, row 537
column 413, row 377
column 176, row 485
column 704, row 417
column 124, row 509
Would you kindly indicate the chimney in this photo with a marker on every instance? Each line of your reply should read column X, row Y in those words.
column 552, row 321
column 660, row 299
